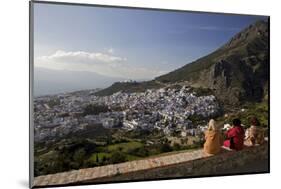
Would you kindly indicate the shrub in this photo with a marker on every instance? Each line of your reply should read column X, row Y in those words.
column 118, row 157
column 165, row 148
column 176, row 146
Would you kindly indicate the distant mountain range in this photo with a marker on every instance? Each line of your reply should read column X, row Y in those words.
column 48, row 81
column 236, row 72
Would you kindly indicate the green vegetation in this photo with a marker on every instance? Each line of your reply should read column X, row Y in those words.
column 258, row 110
column 129, row 87
column 124, row 147
column 92, row 149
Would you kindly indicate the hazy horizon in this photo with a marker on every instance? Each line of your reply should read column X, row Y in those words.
column 78, row 47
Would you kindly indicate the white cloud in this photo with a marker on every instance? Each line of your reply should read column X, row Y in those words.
column 82, row 56
column 102, row 63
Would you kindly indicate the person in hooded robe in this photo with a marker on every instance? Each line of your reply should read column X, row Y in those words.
column 254, row 134
column 213, row 137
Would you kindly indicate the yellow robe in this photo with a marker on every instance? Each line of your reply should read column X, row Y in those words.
column 213, row 142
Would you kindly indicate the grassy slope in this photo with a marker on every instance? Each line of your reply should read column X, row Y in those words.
column 129, row 87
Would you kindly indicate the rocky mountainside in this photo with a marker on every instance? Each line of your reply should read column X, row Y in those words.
column 236, row 72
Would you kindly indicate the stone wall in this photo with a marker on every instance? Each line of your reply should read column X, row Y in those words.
column 186, row 164
column 223, row 164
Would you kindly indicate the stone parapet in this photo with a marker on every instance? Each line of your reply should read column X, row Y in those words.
column 182, row 164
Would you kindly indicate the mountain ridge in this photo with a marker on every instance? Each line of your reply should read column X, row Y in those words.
column 237, row 71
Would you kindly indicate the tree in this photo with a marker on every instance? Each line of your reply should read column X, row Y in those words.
column 103, row 159
column 97, row 157
column 79, row 155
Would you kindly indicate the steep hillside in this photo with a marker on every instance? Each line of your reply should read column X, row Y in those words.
column 129, row 87
column 236, row 72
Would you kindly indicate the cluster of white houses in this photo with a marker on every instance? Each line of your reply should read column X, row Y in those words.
column 164, row 109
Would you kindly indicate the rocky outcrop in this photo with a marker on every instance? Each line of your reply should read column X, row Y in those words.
column 220, row 75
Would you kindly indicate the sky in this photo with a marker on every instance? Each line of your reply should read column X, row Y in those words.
column 126, row 43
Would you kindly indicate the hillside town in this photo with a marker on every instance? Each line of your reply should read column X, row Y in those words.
column 166, row 109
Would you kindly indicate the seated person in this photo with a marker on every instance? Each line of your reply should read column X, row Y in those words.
column 235, row 136
column 254, row 134
column 213, row 138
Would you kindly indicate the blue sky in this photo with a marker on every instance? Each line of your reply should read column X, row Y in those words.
column 128, row 43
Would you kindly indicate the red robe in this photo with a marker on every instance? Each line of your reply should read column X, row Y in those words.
column 238, row 134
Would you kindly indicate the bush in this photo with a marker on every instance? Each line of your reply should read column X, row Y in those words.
column 118, row 157
column 165, row 148
column 177, row 146
column 140, row 152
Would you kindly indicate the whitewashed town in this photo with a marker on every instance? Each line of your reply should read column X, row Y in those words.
column 165, row 109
